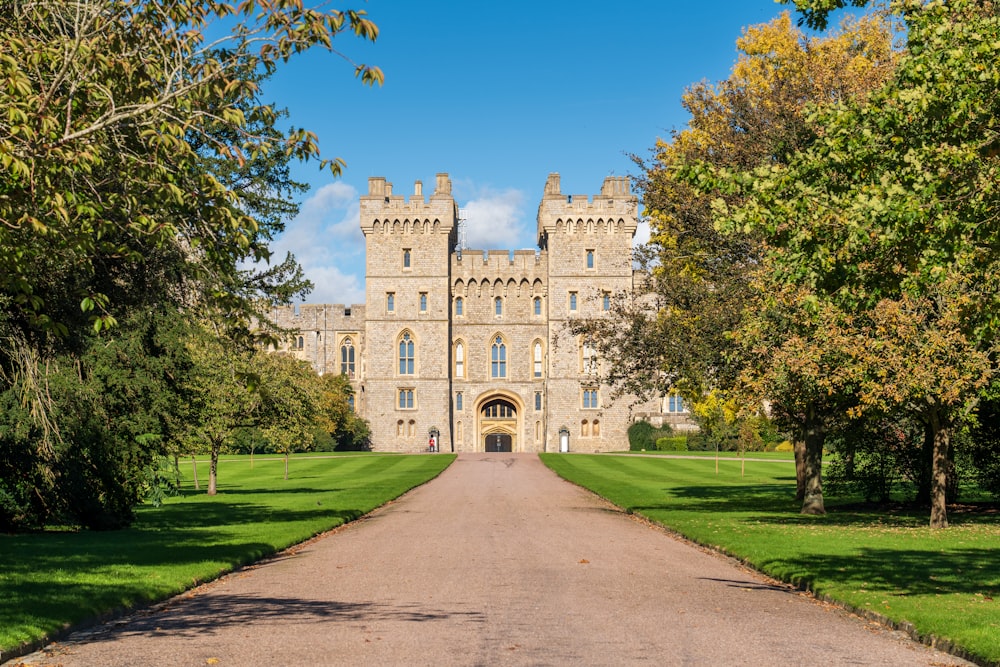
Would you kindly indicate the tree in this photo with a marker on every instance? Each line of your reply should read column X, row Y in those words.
column 223, row 390
column 141, row 169
column 702, row 279
column 336, row 414
column 888, row 219
column 289, row 402
column 114, row 110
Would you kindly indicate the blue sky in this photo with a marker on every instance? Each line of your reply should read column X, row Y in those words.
column 496, row 94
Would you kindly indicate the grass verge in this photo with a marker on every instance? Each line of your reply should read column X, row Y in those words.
column 54, row 579
column 944, row 584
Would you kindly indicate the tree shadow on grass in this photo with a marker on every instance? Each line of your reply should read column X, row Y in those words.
column 713, row 499
column 777, row 505
column 898, row 572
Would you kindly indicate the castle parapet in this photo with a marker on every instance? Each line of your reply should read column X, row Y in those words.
column 615, row 205
column 382, row 211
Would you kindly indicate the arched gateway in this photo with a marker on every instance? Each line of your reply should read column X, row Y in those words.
column 499, row 423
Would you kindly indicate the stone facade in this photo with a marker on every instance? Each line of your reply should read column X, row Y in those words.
column 472, row 346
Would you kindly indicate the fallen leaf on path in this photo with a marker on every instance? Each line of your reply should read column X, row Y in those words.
column 584, row 560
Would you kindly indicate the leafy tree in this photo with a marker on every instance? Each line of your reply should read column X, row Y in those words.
column 887, row 220
column 336, row 415
column 702, row 279
column 112, row 406
column 223, row 388
column 141, row 169
column 289, row 400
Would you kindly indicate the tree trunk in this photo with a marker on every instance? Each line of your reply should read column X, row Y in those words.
column 926, row 465
column 800, row 469
column 941, row 432
column 286, row 466
column 194, row 466
column 213, row 467
column 815, row 437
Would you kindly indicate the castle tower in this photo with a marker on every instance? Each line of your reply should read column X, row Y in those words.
column 589, row 244
column 408, row 244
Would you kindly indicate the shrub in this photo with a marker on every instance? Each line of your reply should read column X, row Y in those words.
column 643, row 435
column 672, row 444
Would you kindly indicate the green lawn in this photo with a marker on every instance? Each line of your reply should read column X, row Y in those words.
column 775, row 456
column 945, row 583
column 53, row 579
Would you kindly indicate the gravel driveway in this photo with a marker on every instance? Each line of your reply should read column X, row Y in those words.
column 496, row 562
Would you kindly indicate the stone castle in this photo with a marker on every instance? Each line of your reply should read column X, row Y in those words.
column 470, row 349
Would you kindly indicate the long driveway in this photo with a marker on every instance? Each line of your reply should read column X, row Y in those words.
column 496, row 562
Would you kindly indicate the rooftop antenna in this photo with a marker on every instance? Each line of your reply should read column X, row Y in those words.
column 460, row 245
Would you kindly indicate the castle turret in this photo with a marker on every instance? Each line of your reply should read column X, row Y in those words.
column 408, row 244
column 589, row 244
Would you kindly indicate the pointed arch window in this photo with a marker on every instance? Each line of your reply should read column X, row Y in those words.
column 498, row 357
column 536, row 356
column 459, row 304
column 406, row 354
column 347, row 357
column 538, row 305
column 498, row 306
column 459, row 359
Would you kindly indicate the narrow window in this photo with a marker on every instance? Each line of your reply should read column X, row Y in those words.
column 347, row 358
column 588, row 357
column 423, row 302
column 459, row 360
column 606, row 301
column 301, row 342
column 499, row 358
column 412, row 425
column 458, row 401
column 538, row 431
column 590, row 259
column 399, row 428
column 406, row 258
column 538, row 401
column 572, row 301
column 498, row 306
column 458, row 306
column 390, row 302
column 406, row 355
column 405, row 399
column 350, row 402
column 538, row 305
column 538, row 359
column 595, row 428
column 584, row 428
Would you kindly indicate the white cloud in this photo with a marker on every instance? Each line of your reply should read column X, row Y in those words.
column 332, row 286
column 495, row 220
column 326, row 239
column 641, row 233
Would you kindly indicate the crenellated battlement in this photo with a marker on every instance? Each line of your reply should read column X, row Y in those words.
column 503, row 265
column 383, row 212
column 614, row 210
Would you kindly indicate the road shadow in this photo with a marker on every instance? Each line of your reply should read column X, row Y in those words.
column 195, row 615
